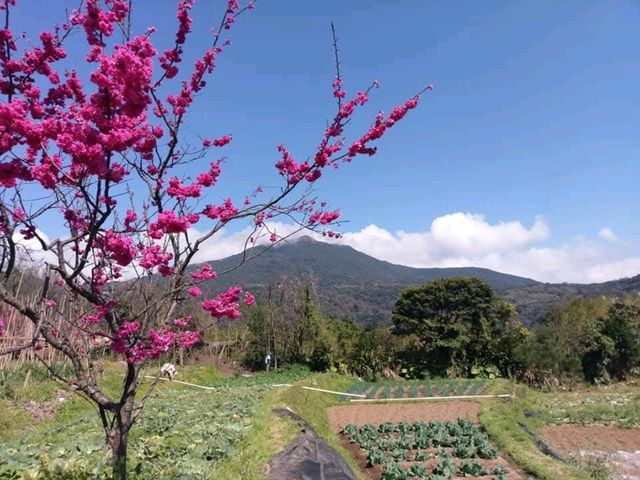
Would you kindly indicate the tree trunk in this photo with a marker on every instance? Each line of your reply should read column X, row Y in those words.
column 120, row 439
column 119, row 454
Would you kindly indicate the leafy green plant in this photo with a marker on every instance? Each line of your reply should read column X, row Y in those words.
column 421, row 456
column 386, row 427
column 499, row 473
column 376, row 457
column 393, row 471
column 463, row 451
column 445, row 466
column 472, row 468
column 487, row 451
column 400, row 454
column 385, row 393
column 417, row 471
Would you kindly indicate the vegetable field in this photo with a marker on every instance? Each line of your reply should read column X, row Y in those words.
column 411, row 389
column 183, row 433
column 426, row 450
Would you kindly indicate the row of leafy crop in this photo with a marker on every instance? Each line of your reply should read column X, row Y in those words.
column 420, row 389
column 464, row 438
column 390, row 444
column 445, row 469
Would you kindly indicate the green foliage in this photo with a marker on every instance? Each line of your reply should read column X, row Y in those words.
column 288, row 325
column 373, row 351
column 376, row 457
column 445, row 466
column 621, row 339
column 590, row 339
column 499, row 473
column 417, row 471
column 421, row 456
column 459, row 323
column 472, row 468
column 393, row 471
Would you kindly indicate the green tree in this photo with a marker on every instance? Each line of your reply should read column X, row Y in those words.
column 621, row 332
column 459, row 324
column 569, row 342
column 373, row 352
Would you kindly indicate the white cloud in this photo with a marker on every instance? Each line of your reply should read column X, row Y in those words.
column 607, row 234
column 453, row 237
column 464, row 239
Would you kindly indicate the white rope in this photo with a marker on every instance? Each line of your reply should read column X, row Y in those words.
column 273, row 385
column 336, row 393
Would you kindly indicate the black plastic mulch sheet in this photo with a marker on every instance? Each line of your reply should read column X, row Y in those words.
column 308, row 457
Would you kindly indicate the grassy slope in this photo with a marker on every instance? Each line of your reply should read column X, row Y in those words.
column 500, row 419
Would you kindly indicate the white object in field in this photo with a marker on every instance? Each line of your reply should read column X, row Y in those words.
column 169, row 370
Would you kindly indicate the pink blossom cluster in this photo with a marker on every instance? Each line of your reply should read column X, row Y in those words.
column 127, row 340
column 171, row 57
column 209, row 178
column 2, row 327
column 118, row 247
column 323, row 218
column 154, row 256
column 98, row 315
column 226, row 304
column 205, row 272
column 224, row 212
column 379, row 128
column 182, row 322
column 181, row 192
column 129, row 219
column 100, row 23
column 168, row 222
column 195, row 291
column 218, row 142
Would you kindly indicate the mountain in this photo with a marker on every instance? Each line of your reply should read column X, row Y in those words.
column 352, row 284
column 348, row 283
column 534, row 301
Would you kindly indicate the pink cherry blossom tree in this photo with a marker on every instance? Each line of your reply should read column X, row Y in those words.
column 92, row 173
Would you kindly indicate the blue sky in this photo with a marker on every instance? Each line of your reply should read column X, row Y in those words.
column 535, row 113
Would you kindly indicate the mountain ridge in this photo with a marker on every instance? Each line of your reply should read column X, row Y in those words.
column 352, row 284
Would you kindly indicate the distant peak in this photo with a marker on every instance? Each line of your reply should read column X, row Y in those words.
column 306, row 239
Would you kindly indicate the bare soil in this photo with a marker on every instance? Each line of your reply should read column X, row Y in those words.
column 617, row 447
column 45, row 410
column 573, row 438
column 361, row 413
